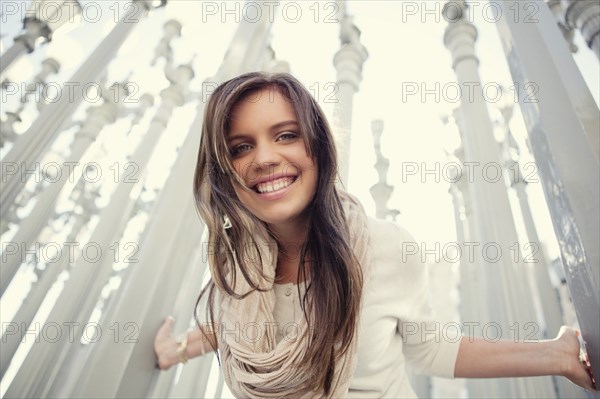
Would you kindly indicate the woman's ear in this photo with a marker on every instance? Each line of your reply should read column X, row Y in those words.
column 226, row 222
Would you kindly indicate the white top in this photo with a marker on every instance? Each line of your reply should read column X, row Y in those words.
column 395, row 324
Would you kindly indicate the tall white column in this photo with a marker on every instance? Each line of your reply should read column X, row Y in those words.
column 474, row 302
column 348, row 62
column 567, row 31
column 7, row 130
column 559, row 119
column 585, row 16
column 164, row 50
column 272, row 64
column 193, row 379
column 504, row 283
column 31, row 146
column 381, row 191
column 17, row 50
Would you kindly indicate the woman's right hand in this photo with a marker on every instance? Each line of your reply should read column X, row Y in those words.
column 165, row 346
column 577, row 369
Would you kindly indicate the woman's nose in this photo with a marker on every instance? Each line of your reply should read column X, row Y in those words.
column 266, row 155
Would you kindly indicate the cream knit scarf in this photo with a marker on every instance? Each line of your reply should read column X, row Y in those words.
column 256, row 366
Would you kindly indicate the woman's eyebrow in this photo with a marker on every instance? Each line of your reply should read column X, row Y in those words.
column 284, row 123
column 237, row 136
column 272, row 128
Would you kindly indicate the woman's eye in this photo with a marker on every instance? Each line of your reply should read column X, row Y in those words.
column 239, row 149
column 288, row 136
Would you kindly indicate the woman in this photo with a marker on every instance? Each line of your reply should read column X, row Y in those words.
column 311, row 297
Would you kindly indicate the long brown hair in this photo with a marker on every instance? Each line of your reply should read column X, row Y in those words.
column 332, row 301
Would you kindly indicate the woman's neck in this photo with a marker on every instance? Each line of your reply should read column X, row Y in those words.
column 291, row 237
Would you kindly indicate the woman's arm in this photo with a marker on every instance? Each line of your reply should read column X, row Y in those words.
column 478, row 358
column 165, row 345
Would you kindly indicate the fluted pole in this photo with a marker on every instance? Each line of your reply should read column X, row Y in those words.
column 560, row 120
column 49, row 67
column 192, row 381
column 348, row 62
column 469, row 280
column 381, row 191
column 31, row 146
column 164, row 50
column 474, row 302
column 13, row 53
column 567, row 31
column 508, row 299
column 584, row 15
column 7, row 130
column 274, row 65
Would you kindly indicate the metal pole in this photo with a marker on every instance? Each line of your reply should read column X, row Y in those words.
column 568, row 164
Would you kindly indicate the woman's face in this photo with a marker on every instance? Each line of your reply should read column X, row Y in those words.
column 268, row 152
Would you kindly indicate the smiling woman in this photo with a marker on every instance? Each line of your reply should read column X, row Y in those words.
column 270, row 155
column 265, row 187
column 271, row 132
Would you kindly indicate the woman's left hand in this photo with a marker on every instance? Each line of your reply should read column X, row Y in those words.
column 165, row 346
column 575, row 367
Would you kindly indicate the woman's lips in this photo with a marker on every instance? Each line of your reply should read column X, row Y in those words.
column 275, row 185
column 275, row 195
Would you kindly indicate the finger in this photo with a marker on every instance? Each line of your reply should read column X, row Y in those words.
column 588, row 368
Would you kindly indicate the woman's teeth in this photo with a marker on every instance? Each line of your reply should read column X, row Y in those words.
column 275, row 185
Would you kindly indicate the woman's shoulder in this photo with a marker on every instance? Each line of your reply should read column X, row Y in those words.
column 398, row 276
column 395, row 251
column 389, row 233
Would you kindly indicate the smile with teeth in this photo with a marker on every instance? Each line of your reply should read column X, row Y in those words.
column 274, row 185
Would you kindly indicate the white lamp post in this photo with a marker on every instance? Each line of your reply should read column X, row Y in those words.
column 42, row 18
column 585, row 16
